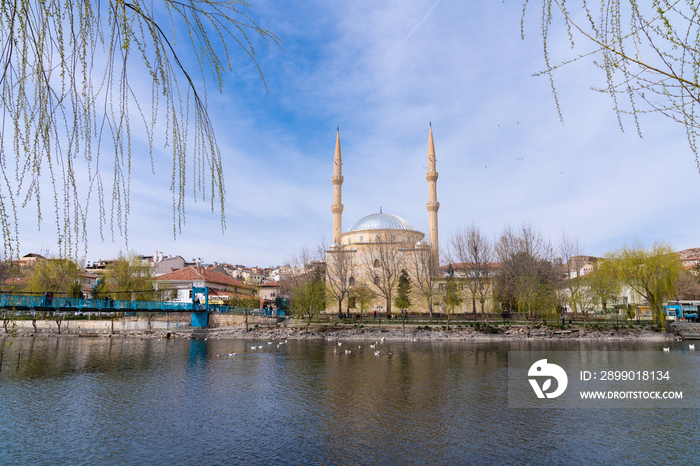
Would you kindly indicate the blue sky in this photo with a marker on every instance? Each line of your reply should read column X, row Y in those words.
column 382, row 71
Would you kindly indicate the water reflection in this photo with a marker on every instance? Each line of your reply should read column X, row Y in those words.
column 113, row 400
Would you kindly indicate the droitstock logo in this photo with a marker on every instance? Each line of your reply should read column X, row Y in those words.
column 543, row 369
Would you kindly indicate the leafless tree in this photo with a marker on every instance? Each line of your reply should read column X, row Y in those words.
column 576, row 290
column 340, row 267
column 305, row 286
column 688, row 286
column 383, row 267
column 425, row 275
column 472, row 255
column 528, row 279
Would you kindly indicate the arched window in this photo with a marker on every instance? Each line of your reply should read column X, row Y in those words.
column 376, row 280
column 409, row 238
column 351, row 282
column 376, row 238
column 393, row 237
column 361, row 238
column 376, row 262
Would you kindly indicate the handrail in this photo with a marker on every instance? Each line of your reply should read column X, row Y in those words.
column 110, row 305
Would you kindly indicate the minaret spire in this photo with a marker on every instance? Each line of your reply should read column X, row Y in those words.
column 337, row 207
column 433, row 204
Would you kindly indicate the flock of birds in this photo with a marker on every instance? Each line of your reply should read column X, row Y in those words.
column 373, row 347
column 690, row 347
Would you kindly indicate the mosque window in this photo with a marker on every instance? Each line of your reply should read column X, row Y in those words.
column 361, row 238
column 376, row 280
column 376, row 238
column 351, row 282
column 409, row 238
column 393, row 237
column 376, row 262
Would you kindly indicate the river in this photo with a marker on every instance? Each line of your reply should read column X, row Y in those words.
column 117, row 400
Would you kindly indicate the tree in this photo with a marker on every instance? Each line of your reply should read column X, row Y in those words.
column 309, row 296
column 452, row 296
column 363, row 297
column 575, row 285
column 67, row 101
column 54, row 275
column 403, row 296
column 646, row 50
column 425, row 273
column 129, row 278
column 604, row 283
column 305, row 287
column 385, row 265
column 472, row 252
column 652, row 273
column 528, row 279
column 688, row 286
column 339, row 270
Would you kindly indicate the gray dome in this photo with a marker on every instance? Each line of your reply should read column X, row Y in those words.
column 381, row 222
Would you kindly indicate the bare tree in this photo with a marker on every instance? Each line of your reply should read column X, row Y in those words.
column 305, row 287
column 340, row 266
column 577, row 291
column 425, row 275
column 472, row 254
column 528, row 280
column 383, row 267
column 688, row 286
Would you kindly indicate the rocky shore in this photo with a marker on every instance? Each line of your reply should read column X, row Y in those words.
column 391, row 333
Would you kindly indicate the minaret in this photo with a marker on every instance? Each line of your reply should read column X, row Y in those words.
column 433, row 204
column 337, row 206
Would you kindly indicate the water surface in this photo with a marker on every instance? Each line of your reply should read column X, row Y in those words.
column 133, row 401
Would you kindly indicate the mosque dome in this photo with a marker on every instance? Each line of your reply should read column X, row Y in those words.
column 381, row 222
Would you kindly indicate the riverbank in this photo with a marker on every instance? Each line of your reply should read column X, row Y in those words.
column 390, row 333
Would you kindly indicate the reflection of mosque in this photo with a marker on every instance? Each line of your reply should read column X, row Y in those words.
column 370, row 240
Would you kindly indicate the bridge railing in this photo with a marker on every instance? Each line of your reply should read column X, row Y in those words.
column 110, row 305
column 77, row 304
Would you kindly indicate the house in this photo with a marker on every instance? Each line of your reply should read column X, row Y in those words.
column 221, row 286
column 269, row 292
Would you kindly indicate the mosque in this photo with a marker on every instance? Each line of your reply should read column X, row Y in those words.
column 377, row 248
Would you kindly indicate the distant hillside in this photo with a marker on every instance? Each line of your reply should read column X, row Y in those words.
column 692, row 252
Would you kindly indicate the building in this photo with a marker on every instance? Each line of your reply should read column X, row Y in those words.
column 379, row 247
column 221, row 286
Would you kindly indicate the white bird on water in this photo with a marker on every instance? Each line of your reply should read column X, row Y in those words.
column 252, row 347
column 372, row 346
column 667, row 349
column 691, row 347
column 340, row 344
column 260, row 347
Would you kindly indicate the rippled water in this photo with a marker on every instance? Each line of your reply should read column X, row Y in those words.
column 106, row 401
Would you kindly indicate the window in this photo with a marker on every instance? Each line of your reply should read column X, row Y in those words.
column 376, row 262
column 376, row 238
column 361, row 239
column 376, row 280
column 409, row 238
column 393, row 237
column 351, row 282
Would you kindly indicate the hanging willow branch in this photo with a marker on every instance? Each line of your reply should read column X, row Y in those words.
column 649, row 52
column 67, row 104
